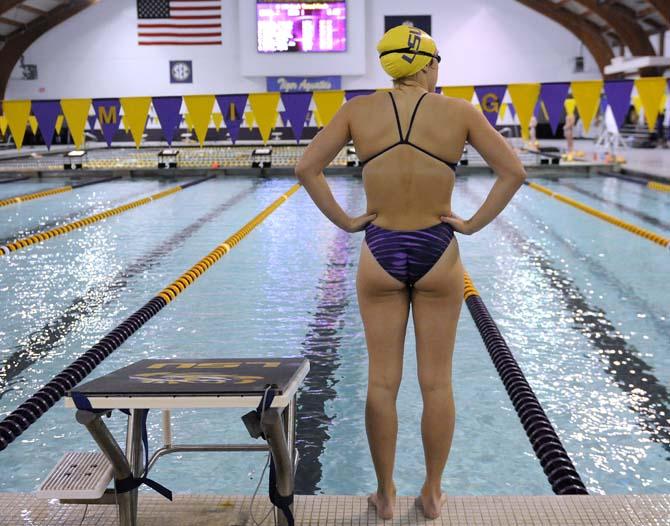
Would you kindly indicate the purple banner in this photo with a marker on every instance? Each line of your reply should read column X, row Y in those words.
column 232, row 108
column 167, row 111
column 553, row 95
column 46, row 112
column 510, row 108
column 618, row 98
column 108, row 114
column 490, row 99
column 91, row 121
column 297, row 106
column 350, row 94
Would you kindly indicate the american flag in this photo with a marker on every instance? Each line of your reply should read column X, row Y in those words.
column 178, row 22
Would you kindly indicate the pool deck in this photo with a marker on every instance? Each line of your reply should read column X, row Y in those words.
column 21, row 509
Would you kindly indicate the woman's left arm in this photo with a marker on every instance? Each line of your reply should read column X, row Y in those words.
column 319, row 154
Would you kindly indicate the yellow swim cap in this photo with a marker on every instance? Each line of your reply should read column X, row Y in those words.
column 405, row 50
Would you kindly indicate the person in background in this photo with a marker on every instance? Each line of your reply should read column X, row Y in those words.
column 410, row 140
column 568, row 132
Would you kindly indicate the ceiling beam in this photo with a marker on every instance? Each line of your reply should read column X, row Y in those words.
column 585, row 31
column 663, row 8
column 17, row 43
column 31, row 9
column 625, row 25
column 6, row 5
column 10, row 22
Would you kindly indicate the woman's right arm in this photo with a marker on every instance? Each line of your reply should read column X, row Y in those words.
column 499, row 155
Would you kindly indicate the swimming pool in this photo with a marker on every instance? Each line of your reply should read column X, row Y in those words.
column 583, row 306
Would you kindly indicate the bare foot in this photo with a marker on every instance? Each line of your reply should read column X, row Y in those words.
column 431, row 505
column 383, row 504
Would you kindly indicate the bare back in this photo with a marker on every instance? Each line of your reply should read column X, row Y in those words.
column 407, row 188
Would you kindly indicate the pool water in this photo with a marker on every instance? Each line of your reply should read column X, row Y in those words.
column 582, row 304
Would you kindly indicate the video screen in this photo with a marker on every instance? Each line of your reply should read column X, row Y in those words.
column 307, row 27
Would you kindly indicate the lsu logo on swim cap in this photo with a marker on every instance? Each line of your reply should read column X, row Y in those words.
column 405, row 50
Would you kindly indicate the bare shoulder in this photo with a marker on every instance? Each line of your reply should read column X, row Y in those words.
column 452, row 103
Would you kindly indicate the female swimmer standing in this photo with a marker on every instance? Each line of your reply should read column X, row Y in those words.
column 411, row 140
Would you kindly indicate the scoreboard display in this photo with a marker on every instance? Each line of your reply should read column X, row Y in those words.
column 307, row 27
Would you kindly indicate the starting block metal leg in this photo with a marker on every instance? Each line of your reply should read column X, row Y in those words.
column 134, row 450
column 274, row 430
column 120, row 466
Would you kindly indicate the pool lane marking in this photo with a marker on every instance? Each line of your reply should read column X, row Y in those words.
column 547, row 446
column 595, row 267
column 322, row 346
column 642, row 232
column 21, row 418
column 75, row 225
column 617, row 356
column 40, row 343
column 620, row 206
column 170, row 292
column 52, row 191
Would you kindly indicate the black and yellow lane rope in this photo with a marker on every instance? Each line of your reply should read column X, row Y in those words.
column 53, row 191
column 659, row 187
column 14, row 424
column 642, row 232
column 652, row 185
column 548, row 448
column 69, row 227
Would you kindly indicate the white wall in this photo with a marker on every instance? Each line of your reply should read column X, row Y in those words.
column 95, row 53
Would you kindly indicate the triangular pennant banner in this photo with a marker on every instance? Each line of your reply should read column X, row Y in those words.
column 232, row 107
column 188, row 122
column 351, row 93
column 328, row 103
column 17, row 113
column 76, row 112
column 217, row 120
column 650, row 90
column 135, row 111
column 200, row 109
column 32, row 122
column 587, row 98
column 108, row 114
column 3, row 124
column 553, row 96
column 47, row 113
column 264, row 108
column 91, row 122
column 297, row 106
column 490, row 99
column 503, row 111
column 524, row 97
column 512, row 111
column 459, row 92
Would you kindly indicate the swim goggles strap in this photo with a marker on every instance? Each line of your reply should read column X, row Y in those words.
column 410, row 50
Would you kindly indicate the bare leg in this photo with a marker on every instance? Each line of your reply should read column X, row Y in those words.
column 436, row 304
column 384, row 305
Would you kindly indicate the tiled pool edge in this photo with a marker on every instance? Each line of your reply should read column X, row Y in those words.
column 204, row 510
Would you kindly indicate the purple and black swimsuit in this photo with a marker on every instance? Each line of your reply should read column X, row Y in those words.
column 408, row 255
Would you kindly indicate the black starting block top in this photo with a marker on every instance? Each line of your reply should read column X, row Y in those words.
column 230, row 382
